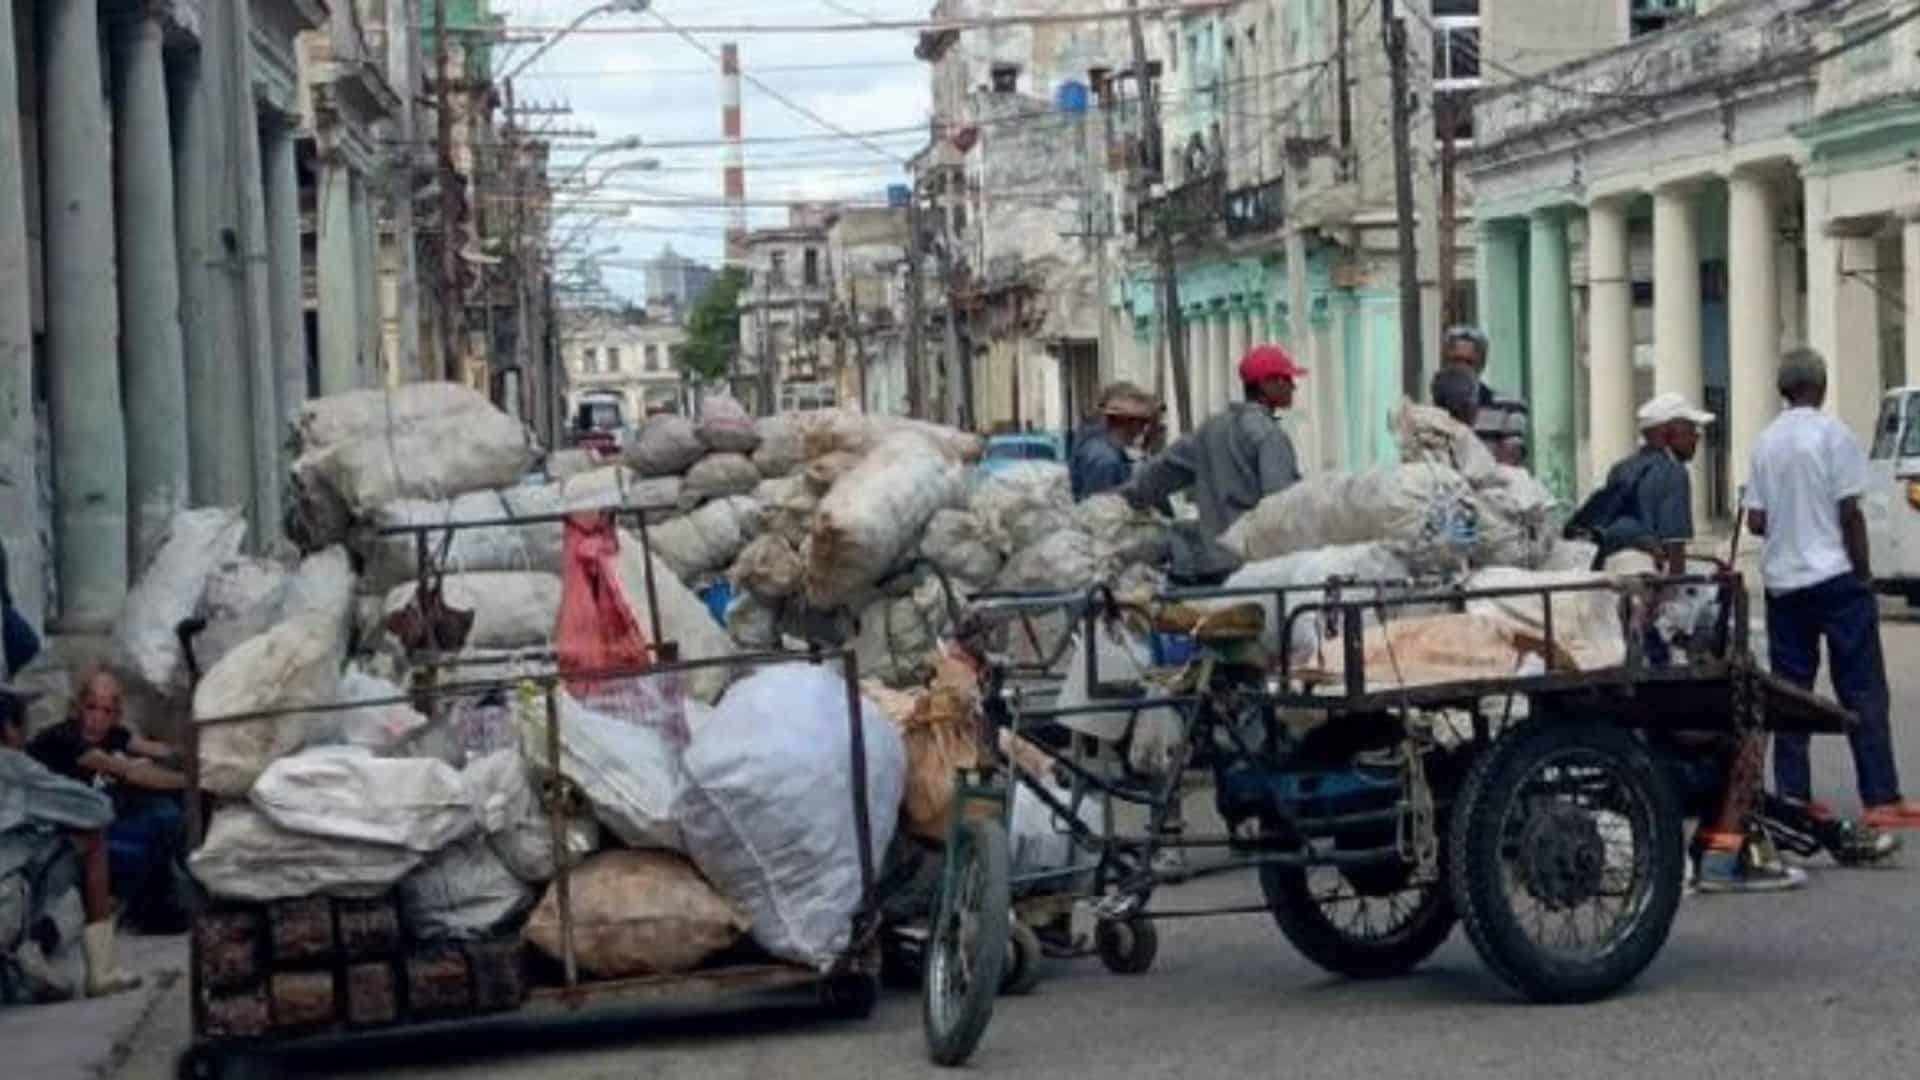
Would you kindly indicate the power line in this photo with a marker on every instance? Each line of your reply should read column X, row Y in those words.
column 685, row 72
column 1175, row 10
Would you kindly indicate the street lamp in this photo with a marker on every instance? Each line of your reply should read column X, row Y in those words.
column 611, row 7
column 623, row 145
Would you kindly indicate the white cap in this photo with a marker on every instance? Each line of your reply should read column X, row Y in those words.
column 1666, row 408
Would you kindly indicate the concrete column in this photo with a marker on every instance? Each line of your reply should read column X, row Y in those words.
column 1910, row 276
column 83, row 346
column 1610, row 404
column 152, row 357
column 283, row 249
column 1503, row 303
column 1199, row 364
column 1753, row 342
column 367, row 277
column 1550, row 352
column 267, row 426
column 193, row 134
column 1855, row 382
column 1677, row 364
column 19, row 482
column 339, row 292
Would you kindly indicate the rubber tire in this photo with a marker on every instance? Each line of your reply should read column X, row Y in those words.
column 1126, row 947
column 1477, row 873
column 986, row 841
column 850, row 997
column 1024, row 957
column 1306, row 926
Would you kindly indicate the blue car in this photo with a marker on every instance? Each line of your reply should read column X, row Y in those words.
column 1008, row 450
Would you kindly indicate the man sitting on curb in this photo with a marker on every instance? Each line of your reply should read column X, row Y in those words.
column 36, row 799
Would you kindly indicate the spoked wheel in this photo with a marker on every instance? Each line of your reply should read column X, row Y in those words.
column 967, row 947
column 1024, row 957
column 1567, row 859
column 1361, row 922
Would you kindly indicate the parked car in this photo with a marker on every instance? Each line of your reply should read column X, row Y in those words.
column 1007, row 450
column 1892, row 505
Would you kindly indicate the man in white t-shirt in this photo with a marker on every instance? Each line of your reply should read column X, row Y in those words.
column 1803, row 496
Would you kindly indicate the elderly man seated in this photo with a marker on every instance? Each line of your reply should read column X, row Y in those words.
column 96, row 747
column 37, row 864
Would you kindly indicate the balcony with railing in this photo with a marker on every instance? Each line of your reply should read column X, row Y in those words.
column 1740, row 45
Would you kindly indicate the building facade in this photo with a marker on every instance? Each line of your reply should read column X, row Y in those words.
column 1771, row 197
column 786, row 359
column 674, row 282
column 867, row 315
column 625, row 353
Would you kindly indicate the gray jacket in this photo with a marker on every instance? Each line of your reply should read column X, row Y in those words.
column 1231, row 462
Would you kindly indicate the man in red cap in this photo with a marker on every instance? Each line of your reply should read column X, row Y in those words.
column 1236, row 458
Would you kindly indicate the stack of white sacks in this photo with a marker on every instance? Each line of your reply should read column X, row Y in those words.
column 348, row 790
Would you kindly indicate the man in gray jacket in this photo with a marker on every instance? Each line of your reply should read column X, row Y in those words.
column 1236, row 458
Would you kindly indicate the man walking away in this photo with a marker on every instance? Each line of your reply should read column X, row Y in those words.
column 1100, row 463
column 1236, row 458
column 1803, row 496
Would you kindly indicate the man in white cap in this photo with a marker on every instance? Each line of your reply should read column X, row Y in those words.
column 1646, row 505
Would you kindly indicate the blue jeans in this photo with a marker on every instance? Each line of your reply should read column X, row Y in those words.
column 1842, row 610
column 146, row 836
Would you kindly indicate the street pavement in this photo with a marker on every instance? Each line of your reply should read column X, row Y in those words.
column 1816, row 983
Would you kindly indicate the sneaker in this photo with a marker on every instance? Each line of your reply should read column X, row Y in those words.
column 1853, row 844
column 1753, row 868
column 1893, row 815
column 1170, row 866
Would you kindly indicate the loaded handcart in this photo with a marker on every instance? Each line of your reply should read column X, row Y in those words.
column 278, row 973
column 1392, row 758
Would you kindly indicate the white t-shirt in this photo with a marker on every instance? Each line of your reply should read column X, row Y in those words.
column 1804, row 464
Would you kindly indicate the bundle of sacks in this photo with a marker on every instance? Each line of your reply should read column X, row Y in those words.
column 878, row 529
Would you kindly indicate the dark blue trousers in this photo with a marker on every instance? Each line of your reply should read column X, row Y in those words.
column 1843, row 611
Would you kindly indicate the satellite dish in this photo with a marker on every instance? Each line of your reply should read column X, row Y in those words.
column 1072, row 97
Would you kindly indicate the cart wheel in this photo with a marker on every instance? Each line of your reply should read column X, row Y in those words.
column 1126, row 946
column 1567, row 859
column 1364, row 923
column 1024, row 957
column 850, row 997
column 967, row 946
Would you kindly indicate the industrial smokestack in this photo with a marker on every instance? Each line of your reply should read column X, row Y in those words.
column 734, row 180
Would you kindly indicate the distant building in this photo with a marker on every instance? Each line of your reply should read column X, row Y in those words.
column 625, row 352
column 674, row 282
column 783, row 314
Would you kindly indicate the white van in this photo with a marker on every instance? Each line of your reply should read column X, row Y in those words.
column 1893, row 504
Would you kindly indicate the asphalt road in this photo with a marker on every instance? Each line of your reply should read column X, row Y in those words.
column 1817, row 983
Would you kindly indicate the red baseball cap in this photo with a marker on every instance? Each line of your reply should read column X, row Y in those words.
column 1265, row 362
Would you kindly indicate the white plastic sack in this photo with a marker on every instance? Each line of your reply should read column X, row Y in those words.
column 391, row 560
column 1586, row 622
column 245, row 857
column 667, row 446
column 631, row 774
column 1023, row 504
column 719, row 475
column 1514, row 526
column 769, row 567
column 1420, row 512
column 294, row 666
column 1114, row 523
column 510, row 610
column 787, row 505
column 562, row 464
column 242, row 600
column 897, row 635
column 1069, row 559
column 416, row 454
column 684, row 618
column 463, row 893
column 828, row 431
column 1351, row 562
column 725, row 427
column 753, row 624
column 515, row 823
column 709, row 539
column 768, row 812
column 168, row 591
column 1427, row 435
column 322, row 589
column 782, row 447
column 956, row 544
column 1123, row 658
column 1042, row 840
column 637, row 913
column 348, row 794
column 874, row 516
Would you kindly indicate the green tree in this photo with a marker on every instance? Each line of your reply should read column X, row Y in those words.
column 713, row 327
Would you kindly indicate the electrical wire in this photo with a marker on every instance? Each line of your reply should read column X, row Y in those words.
column 1174, row 9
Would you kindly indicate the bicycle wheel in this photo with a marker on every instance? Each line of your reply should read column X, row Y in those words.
column 967, row 948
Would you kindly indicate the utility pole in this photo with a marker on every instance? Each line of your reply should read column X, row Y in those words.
column 447, row 310
column 1344, row 46
column 1151, row 171
column 916, row 313
column 1448, row 109
column 959, row 395
column 1394, row 33
column 535, row 415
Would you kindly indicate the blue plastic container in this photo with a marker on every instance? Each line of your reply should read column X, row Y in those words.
column 718, row 597
column 1171, row 650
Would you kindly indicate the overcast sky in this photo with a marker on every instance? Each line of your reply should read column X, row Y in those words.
column 664, row 90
